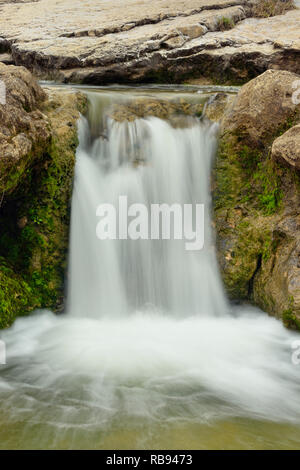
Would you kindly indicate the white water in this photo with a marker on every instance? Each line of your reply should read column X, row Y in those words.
column 148, row 334
column 127, row 275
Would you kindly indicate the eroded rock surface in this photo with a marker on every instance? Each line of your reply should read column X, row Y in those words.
column 98, row 41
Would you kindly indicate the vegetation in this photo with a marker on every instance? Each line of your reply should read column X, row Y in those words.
column 248, row 200
column 289, row 318
column 247, row 190
column 225, row 23
column 34, row 230
column 267, row 8
column 31, row 251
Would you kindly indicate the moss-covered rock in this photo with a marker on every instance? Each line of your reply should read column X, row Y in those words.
column 35, row 210
column 256, row 200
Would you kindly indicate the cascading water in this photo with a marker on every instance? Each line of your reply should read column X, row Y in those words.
column 149, row 162
column 149, row 338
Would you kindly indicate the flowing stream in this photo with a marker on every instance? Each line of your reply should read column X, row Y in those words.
column 150, row 354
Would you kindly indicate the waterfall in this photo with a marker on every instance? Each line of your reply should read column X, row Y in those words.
column 149, row 162
column 149, row 337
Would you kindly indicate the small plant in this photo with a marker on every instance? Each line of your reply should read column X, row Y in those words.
column 225, row 23
column 267, row 249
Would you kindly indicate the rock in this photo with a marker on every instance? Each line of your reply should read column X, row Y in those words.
column 6, row 59
column 218, row 105
column 262, row 106
column 91, row 42
column 163, row 109
column 257, row 200
column 277, row 283
column 38, row 141
column 23, row 130
column 286, row 148
column 192, row 31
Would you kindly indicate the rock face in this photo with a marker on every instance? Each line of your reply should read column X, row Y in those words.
column 257, row 200
column 286, row 148
column 37, row 155
column 262, row 106
column 24, row 130
column 98, row 41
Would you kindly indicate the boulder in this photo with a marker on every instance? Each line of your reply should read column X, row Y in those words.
column 262, row 106
column 286, row 148
column 24, row 130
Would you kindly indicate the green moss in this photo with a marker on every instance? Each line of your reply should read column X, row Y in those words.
column 270, row 195
column 16, row 296
column 290, row 320
column 267, row 249
column 246, row 175
column 248, row 194
column 225, row 23
column 33, row 253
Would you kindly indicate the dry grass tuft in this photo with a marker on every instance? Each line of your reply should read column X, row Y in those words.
column 266, row 8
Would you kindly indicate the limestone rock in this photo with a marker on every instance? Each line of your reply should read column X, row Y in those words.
column 262, row 106
column 91, row 42
column 24, row 131
column 286, row 148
